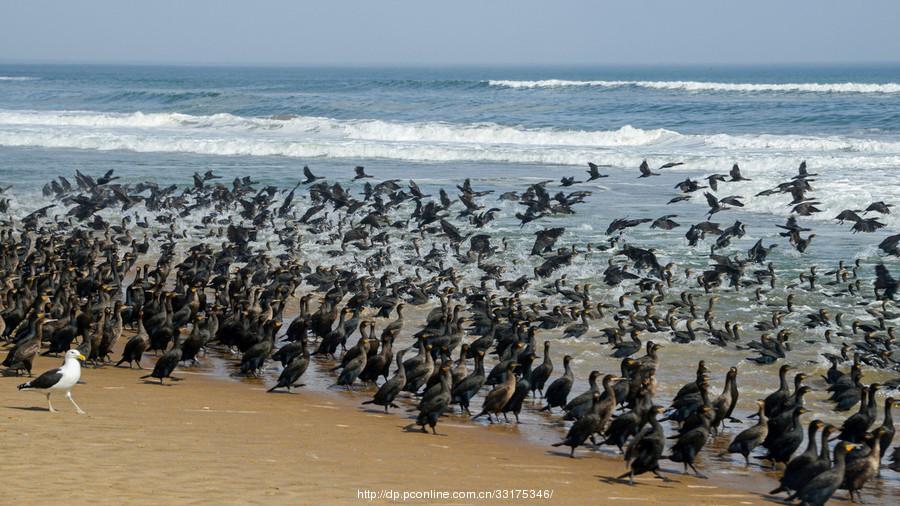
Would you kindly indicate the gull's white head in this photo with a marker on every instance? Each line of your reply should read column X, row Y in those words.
column 74, row 354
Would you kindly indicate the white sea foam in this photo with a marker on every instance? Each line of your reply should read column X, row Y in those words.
column 710, row 86
column 372, row 130
column 317, row 136
column 17, row 78
column 765, row 158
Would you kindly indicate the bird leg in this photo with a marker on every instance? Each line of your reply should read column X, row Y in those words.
column 50, row 404
column 661, row 477
column 78, row 409
column 698, row 473
column 630, row 475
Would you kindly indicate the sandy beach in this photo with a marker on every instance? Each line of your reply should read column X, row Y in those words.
column 211, row 440
column 560, row 245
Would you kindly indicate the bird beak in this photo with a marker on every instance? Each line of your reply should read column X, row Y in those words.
column 81, row 357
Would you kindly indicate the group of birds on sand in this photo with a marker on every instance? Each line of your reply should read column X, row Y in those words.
column 263, row 275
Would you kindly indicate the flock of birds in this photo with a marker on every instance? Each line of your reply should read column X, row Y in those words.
column 212, row 277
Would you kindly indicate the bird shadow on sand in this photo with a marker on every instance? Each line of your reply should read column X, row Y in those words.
column 613, row 480
column 29, row 408
column 281, row 391
column 753, row 466
column 559, row 453
column 157, row 383
column 375, row 411
column 783, row 499
column 415, row 429
column 12, row 374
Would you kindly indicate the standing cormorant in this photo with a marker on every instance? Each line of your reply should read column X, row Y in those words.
column 389, row 390
column 645, row 450
column 804, row 466
column 750, row 438
column 820, row 488
column 541, row 373
column 431, row 407
column 558, row 391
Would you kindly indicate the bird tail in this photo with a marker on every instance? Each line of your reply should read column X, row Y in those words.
column 559, row 444
column 147, row 376
column 272, row 389
column 370, row 401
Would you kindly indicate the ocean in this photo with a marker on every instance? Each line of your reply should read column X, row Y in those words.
column 499, row 126
column 766, row 117
column 505, row 129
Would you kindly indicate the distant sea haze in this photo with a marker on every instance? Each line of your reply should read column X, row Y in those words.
column 713, row 86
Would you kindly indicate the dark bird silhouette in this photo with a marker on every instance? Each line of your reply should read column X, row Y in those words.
column 594, row 171
column 879, row 207
column 645, row 170
column 736, row 174
column 310, row 177
column 885, row 283
column 665, row 222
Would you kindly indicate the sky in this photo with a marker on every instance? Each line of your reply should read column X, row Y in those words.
column 422, row 32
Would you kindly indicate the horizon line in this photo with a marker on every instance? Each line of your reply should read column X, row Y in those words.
column 160, row 63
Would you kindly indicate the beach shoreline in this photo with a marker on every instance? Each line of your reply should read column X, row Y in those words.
column 357, row 193
column 203, row 440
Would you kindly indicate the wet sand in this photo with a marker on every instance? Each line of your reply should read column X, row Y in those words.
column 209, row 439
